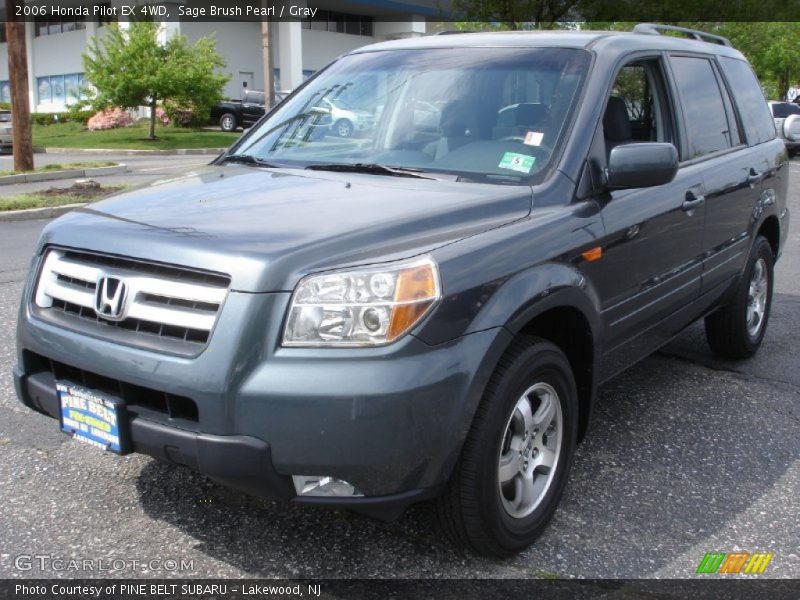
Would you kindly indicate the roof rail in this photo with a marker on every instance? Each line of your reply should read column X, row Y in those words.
column 656, row 29
column 452, row 32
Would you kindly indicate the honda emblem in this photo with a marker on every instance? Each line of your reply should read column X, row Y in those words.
column 109, row 301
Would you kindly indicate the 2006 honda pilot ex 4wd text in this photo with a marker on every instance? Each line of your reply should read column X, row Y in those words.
column 426, row 308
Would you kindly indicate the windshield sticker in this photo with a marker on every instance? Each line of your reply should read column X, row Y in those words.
column 533, row 138
column 517, row 162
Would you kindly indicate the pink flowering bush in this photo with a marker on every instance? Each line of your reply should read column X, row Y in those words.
column 184, row 113
column 162, row 116
column 111, row 118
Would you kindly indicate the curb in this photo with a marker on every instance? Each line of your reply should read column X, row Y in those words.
column 30, row 214
column 64, row 174
column 176, row 152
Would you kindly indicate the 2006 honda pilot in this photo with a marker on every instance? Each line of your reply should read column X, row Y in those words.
column 424, row 309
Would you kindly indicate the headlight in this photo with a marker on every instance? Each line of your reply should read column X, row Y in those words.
column 364, row 307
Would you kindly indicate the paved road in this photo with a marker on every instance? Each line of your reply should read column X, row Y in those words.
column 142, row 169
column 687, row 454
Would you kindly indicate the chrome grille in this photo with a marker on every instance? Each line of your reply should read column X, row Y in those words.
column 163, row 305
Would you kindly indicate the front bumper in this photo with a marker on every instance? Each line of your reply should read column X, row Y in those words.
column 390, row 420
column 241, row 462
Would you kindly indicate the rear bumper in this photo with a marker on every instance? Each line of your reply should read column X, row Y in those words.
column 239, row 461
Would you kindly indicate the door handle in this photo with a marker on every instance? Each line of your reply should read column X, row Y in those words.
column 754, row 176
column 692, row 202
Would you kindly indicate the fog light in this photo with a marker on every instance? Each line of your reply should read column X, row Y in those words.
column 315, row 485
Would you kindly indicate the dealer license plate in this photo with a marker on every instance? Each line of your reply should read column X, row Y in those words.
column 93, row 418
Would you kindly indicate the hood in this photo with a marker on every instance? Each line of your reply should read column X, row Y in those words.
column 267, row 228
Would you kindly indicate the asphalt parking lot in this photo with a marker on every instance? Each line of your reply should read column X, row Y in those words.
column 687, row 454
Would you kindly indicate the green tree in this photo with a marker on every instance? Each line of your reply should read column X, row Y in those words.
column 772, row 48
column 130, row 67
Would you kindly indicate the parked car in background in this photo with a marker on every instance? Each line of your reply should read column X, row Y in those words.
column 342, row 120
column 333, row 118
column 787, row 123
column 233, row 114
column 5, row 129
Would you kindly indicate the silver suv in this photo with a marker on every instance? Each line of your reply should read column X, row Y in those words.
column 787, row 124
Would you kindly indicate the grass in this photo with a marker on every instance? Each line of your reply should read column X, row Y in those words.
column 62, row 166
column 56, row 197
column 75, row 135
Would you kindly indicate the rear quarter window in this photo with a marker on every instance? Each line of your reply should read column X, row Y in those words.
column 703, row 105
column 749, row 99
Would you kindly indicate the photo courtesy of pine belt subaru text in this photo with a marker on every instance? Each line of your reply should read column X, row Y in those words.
column 408, row 279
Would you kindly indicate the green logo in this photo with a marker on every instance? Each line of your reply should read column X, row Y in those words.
column 734, row 562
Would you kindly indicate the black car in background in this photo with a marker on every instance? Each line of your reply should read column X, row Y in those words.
column 232, row 114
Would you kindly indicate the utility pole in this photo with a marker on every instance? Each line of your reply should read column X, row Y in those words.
column 18, row 80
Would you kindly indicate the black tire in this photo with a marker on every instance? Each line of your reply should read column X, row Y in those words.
column 727, row 328
column 227, row 122
column 472, row 511
column 343, row 128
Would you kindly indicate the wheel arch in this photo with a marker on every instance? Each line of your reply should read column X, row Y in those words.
column 770, row 228
column 566, row 321
column 557, row 303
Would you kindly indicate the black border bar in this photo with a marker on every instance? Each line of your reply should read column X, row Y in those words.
column 445, row 11
column 733, row 587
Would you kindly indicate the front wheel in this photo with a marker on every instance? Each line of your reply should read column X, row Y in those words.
column 737, row 330
column 517, row 455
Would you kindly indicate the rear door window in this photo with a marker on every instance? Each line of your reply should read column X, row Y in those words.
column 749, row 99
column 703, row 107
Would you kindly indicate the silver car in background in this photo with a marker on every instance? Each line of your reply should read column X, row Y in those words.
column 5, row 129
column 787, row 124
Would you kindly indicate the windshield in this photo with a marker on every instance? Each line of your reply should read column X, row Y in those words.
column 478, row 113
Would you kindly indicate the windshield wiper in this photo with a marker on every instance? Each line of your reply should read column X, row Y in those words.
column 248, row 159
column 371, row 168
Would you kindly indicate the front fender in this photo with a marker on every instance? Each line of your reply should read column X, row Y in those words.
column 535, row 291
column 512, row 304
column 513, row 301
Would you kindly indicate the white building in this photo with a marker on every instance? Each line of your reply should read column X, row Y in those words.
column 299, row 48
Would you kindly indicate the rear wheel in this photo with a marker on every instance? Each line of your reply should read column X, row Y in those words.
column 517, row 456
column 227, row 122
column 737, row 330
column 343, row 128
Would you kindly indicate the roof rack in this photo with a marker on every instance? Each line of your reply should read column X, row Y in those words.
column 656, row 29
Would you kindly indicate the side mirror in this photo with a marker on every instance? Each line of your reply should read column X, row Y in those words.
column 641, row 165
